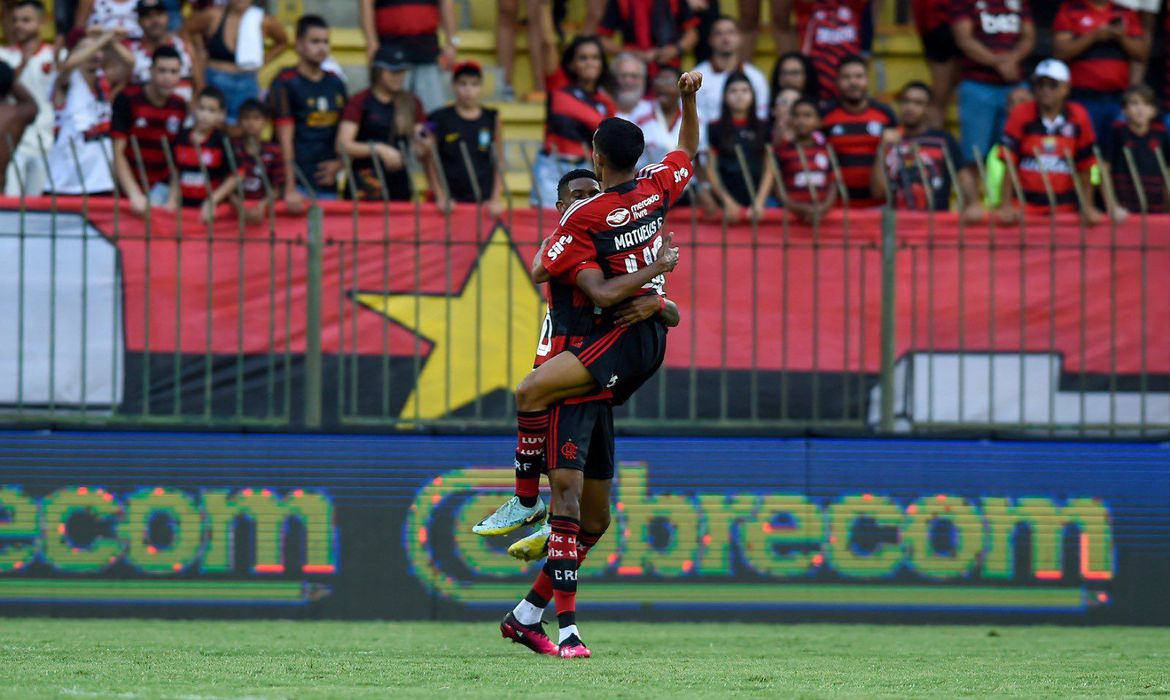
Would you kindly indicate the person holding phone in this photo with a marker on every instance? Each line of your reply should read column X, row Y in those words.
column 1099, row 41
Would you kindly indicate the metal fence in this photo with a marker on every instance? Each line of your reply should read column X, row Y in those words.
column 395, row 315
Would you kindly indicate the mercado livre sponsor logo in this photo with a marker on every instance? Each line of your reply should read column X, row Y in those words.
column 688, row 547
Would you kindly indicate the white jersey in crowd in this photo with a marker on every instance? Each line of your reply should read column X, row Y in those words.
column 37, row 77
column 84, row 121
column 661, row 136
column 709, row 100
column 116, row 14
column 142, row 59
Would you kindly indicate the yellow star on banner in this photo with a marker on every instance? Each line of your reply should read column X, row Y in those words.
column 483, row 336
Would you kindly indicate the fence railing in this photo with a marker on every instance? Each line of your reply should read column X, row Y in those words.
column 398, row 315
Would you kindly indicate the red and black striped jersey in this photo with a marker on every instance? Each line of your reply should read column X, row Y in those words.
column 135, row 115
column 410, row 25
column 1042, row 148
column 619, row 229
column 998, row 25
column 804, row 176
column 268, row 162
column 573, row 116
column 854, row 137
column 1104, row 66
column 931, row 14
column 917, row 172
column 648, row 24
column 1143, row 149
column 830, row 30
column 194, row 187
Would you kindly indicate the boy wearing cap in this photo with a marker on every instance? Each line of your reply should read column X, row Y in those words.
column 467, row 137
column 156, row 33
column 1050, row 139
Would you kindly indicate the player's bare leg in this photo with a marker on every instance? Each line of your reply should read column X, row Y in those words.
column 562, row 377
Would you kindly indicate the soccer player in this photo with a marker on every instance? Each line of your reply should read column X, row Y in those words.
column 574, row 186
column 626, row 236
column 618, row 231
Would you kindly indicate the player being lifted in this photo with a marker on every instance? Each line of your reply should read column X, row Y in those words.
column 562, row 375
column 614, row 234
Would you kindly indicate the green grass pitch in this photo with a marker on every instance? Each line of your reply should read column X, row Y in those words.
column 285, row 659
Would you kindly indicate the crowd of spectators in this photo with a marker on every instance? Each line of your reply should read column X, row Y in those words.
column 164, row 105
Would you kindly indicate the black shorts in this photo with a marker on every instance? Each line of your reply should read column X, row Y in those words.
column 580, row 436
column 938, row 45
column 623, row 358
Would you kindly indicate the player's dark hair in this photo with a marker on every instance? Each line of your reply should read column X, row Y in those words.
column 916, row 85
column 570, row 53
column 164, row 52
column 808, row 102
column 251, row 106
column 563, row 184
column 621, row 142
column 851, row 59
column 307, row 22
column 7, row 75
column 213, row 93
column 811, row 87
column 35, row 4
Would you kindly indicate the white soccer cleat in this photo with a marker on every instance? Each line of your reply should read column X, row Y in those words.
column 534, row 547
column 510, row 516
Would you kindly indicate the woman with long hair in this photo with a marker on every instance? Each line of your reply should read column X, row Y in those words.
column 796, row 71
column 573, row 113
column 739, row 132
column 383, row 122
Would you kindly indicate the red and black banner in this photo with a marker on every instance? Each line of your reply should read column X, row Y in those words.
column 425, row 316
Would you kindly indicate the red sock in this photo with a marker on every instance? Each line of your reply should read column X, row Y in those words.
column 561, row 566
column 531, row 428
column 585, row 542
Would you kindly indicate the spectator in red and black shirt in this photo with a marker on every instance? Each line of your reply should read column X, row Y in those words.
column 1041, row 139
column 1098, row 40
column 994, row 36
column 912, row 170
column 574, row 113
column 1143, row 136
column 657, row 31
column 855, row 128
column 829, row 31
column 306, row 103
column 258, row 160
column 933, row 20
column 382, row 122
column 204, row 177
column 411, row 26
column 806, row 170
column 148, row 114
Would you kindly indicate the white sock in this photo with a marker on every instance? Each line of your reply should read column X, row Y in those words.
column 567, row 632
column 527, row 613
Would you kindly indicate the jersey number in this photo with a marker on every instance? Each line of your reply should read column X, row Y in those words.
column 649, row 254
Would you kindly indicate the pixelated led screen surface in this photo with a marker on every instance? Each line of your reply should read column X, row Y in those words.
column 361, row 526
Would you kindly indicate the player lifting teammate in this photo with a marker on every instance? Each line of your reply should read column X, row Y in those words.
column 611, row 236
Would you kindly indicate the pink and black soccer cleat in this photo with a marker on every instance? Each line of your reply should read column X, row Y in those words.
column 574, row 648
column 531, row 636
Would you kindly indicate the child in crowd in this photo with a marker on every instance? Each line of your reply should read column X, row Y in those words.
column 467, row 138
column 204, row 178
column 806, row 171
column 257, row 159
column 1143, row 135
